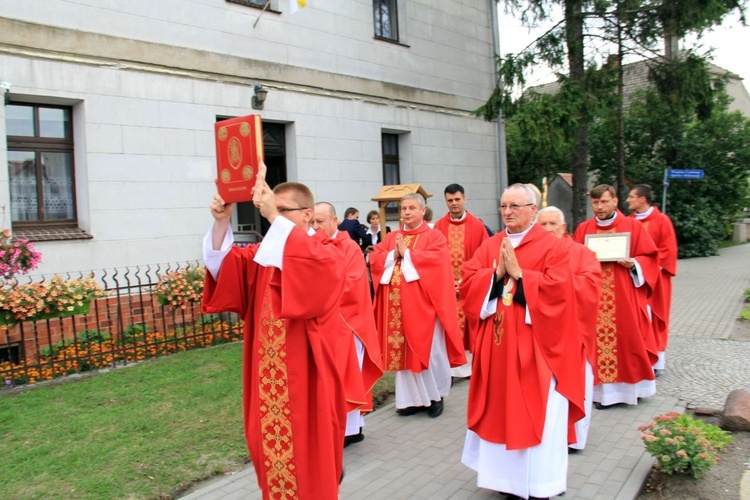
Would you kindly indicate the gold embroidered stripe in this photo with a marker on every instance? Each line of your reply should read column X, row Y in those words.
column 606, row 328
column 456, row 236
column 275, row 423
column 394, row 341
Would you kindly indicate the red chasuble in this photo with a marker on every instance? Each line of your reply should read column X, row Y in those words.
column 464, row 237
column 357, row 318
column 660, row 228
column 514, row 362
column 294, row 406
column 405, row 313
column 625, row 342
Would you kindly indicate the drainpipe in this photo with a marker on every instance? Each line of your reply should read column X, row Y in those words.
column 502, row 157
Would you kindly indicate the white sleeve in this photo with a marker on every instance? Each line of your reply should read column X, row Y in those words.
column 390, row 263
column 637, row 274
column 489, row 307
column 214, row 258
column 271, row 250
column 407, row 266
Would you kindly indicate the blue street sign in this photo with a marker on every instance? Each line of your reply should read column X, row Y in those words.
column 695, row 173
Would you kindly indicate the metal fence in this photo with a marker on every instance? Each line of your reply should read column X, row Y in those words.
column 130, row 324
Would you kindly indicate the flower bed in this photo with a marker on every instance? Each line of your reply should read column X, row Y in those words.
column 47, row 299
column 17, row 255
column 181, row 289
column 94, row 349
column 683, row 444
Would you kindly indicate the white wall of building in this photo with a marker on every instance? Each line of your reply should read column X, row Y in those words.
column 145, row 154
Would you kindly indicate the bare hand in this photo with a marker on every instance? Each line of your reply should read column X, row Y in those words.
column 499, row 268
column 627, row 263
column 222, row 213
column 266, row 201
column 260, row 181
column 512, row 268
column 400, row 246
column 220, row 210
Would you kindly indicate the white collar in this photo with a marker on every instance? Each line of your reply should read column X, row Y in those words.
column 606, row 222
column 407, row 229
column 643, row 215
column 517, row 238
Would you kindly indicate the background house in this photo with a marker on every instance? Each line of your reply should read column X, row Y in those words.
column 107, row 128
column 635, row 77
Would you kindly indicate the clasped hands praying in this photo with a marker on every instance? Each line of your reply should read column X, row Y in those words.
column 507, row 263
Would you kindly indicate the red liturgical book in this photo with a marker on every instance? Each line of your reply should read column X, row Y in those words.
column 239, row 151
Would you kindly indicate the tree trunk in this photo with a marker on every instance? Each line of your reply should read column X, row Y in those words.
column 622, row 189
column 574, row 42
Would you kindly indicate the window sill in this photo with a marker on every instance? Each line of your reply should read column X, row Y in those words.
column 253, row 6
column 389, row 40
column 52, row 234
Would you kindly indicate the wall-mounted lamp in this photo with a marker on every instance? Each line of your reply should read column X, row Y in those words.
column 259, row 97
column 5, row 89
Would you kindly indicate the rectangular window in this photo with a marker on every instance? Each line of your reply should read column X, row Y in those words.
column 385, row 16
column 391, row 170
column 41, row 169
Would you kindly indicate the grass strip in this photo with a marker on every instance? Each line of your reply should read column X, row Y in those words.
column 147, row 431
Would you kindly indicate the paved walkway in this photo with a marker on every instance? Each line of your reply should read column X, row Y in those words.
column 419, row 457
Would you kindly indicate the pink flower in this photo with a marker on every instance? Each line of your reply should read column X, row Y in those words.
column 681, row 453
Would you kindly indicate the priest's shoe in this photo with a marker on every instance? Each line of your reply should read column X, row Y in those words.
column 355, row 438
column 436, row 408
column 409, row 410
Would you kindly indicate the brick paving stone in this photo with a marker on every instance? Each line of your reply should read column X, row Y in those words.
column 420, row 457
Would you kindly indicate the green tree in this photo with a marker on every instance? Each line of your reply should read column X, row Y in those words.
column 630, row 26
column 661, row 134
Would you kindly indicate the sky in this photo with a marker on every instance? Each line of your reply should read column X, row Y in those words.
column 730, row 41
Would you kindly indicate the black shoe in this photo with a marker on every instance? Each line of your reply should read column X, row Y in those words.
column 341, row 479
column 409, row 410
column 436, row 408
column 573, row 451
column 355, row 438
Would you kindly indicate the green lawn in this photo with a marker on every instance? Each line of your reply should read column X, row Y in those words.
column 146, row 431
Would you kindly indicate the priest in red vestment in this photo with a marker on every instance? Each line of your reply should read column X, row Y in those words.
column 361, row 360
column 415, row 311
column 527, row 378
column 587, row 288
column 464, row 233
column 293, row 398
column 661, row 230
column 626, row 346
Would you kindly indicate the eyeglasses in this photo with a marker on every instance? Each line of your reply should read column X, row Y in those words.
column 513, row 208
column 285, row 210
